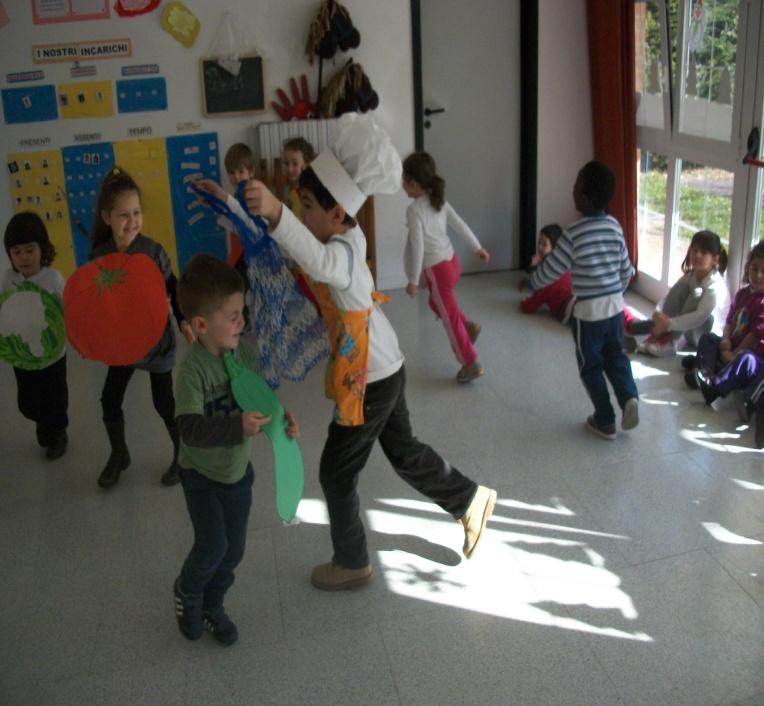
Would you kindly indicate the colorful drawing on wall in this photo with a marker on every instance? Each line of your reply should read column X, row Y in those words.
column 46, row 11
column 37, row 184
column 143, row 94
column 146, row 162
column 30, row 104
column 85, row 166
column 92, row 99
column 180, row 22
column 193, row 157
column 133, row 8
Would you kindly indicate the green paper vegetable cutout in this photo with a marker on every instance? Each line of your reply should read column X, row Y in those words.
column 31, row 327
column 253, row 394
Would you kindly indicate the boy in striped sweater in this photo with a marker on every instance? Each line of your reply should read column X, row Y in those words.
column 594, row 251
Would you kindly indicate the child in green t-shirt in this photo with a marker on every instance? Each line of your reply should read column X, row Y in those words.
column 215, row 446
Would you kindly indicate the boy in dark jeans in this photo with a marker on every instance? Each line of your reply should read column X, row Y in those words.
column 215, row 446
column 365, row 377
column 593, row 249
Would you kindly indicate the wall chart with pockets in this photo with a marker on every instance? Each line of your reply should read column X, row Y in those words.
column 62, row 186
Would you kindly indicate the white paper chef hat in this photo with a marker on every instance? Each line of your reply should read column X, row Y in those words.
column 360, row 161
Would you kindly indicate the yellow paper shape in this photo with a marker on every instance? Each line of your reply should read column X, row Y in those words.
column 146, row 162
column 94, row 99
column 39, row 186
column 180, row 22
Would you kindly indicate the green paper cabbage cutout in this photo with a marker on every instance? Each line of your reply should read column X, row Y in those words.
column 16, row 351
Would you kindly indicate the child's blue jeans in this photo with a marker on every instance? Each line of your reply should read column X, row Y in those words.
column 599, row 352
column 219, row 514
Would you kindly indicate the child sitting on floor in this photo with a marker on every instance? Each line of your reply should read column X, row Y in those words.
column 558, row 296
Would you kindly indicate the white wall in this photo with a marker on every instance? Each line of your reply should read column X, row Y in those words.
column 565, row 140
column 277, row 29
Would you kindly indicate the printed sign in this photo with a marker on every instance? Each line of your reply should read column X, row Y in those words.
column 81, row 51
column 138, row 69
column 22, row 76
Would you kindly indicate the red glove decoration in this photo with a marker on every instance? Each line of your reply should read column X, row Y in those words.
column 300, row 107
column 115, row 308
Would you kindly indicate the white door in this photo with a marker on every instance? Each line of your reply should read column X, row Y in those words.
column 471, row 70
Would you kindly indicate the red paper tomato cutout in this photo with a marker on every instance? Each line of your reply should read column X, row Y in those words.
column 115, row 308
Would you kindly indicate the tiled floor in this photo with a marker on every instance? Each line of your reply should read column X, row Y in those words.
column 626, row 572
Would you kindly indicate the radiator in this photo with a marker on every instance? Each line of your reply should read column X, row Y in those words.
column 271, row 136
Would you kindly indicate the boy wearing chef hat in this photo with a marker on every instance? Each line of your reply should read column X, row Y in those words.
column 366, row 377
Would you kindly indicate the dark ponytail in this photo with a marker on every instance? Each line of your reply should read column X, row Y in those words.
column 420, row 167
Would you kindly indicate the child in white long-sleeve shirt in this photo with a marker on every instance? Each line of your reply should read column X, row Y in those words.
column 430, row 256
column 366, row 376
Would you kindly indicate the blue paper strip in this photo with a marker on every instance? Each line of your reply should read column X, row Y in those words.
column 85, row 167
column 196, row 228
column 141, row 95
column 30, row 104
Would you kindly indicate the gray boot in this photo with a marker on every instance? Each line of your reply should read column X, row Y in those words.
column 119, row 459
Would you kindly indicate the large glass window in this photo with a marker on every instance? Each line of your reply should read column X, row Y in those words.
column 651, row 217
column 699, row 81
column 652, row 81
column 710, row 44
column 705, row 203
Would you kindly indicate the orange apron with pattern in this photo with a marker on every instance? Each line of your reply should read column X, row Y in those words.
column 346, row 371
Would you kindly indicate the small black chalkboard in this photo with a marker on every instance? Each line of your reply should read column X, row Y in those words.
column 224, row 93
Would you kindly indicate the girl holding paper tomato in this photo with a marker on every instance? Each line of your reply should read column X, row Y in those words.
column 118, row 230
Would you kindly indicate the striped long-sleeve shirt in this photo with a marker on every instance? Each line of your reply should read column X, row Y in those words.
column 594, row 251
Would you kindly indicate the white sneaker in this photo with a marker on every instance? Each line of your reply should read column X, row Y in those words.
column 658, row 349
column 630, row 417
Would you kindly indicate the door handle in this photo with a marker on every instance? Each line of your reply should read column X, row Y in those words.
column 433, row 111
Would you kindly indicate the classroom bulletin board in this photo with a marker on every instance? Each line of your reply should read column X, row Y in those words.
column 62, row 186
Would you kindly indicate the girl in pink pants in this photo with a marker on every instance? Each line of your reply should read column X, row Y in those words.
column 430, row 257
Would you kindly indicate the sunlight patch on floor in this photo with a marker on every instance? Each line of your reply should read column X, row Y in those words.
column 521, row 575
column 714, row 441
column 641, row 370
column 747, row 484
column 725, row 536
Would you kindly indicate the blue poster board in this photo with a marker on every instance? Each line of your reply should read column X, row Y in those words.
column 85, row 167
column 141, row 94
column 196, row 230
column 30, row 104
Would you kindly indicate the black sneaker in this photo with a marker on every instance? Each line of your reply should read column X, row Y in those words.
column 689, row 362
column 604, row 431
column 689, row 379
column 220, row 626
column 759, row 428
column 188, row 611
column 171, row 476
column 57, row 446
column 706, row 386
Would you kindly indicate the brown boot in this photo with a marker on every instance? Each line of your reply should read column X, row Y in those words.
column 331, row 577
column 476, row 518
column 473, row 330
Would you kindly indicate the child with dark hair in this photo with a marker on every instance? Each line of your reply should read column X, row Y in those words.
column 735, row 359
column 558, row 296
column 298, row 153
column 117, row 228
column 43, row 395
column 430, row 257
column 365, row 377
column 594, row 251
column 695, row 305
column 216, row 445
